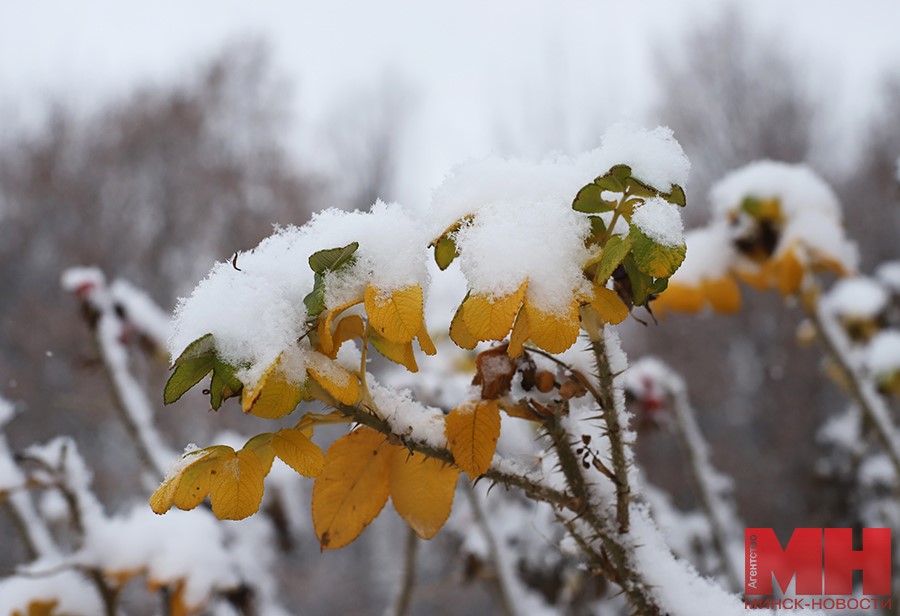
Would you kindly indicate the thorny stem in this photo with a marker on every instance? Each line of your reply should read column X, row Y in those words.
column 607, row 402
column 861, row 388
column 35, row 536
column 711, row 498
column 402, row 601
column 506, row 601
column 145, row 437
column 618, row 553
column 530, row 486
column 586, row 382
column 108, row 593
column 22, row 527
column 623, row 572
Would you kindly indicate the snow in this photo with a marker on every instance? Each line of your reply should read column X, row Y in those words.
column 255, row 311
column 796, row 186
column 132, row 398
column 655, row 157
column 541, row 241
column 188, row 546
column 18, row 499
column 877, row 470
column 842, row 431
column 7, row 411
column 188, row 457
column 673, row 582
column 823, row 235
column 76, row 278
column 857, row 298
column 523, row 229
column 660, row 221
column 523, row 225
column 74, row 593
column 142, row 311
column 809, row 207
column 407, row 416
column 883, row 353
column 888, row 273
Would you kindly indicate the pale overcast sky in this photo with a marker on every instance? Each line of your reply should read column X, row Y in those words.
column 479, row 68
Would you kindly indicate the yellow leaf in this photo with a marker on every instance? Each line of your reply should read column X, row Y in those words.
column 274, row 395
column 552, row 332
column 609, row 305
column 472, row 431
column 519, row 335
column 236, row 488
column 261, row 446
column 190, row 486
column 349, row 327
column 425, row 342
column 177, row 603
column 459, row 333
column 334, row 378
column 680, row 298
column 519, row 410
column 422, row 490
column 723, row 294
column 40, row 607
column 758, row 276
column 352, row 488
column 400, row 353
column 490, row 318
column 297, row 451
column 308, row 422
column 790, row 273
column 326, row 340
column 397, row 316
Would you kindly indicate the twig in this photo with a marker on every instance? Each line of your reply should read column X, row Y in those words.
column 507, row 603
column 630, row 579
column 861, row 388
column 614, row 543
column 607, row 400
column 134, row 408
column 403, row 599
column 495, row 473
column 719, row 511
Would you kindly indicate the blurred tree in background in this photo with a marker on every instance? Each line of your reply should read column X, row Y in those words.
column 153, row 188
column 734, row 94
column 158, row 185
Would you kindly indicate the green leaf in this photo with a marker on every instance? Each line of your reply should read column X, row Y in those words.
column 610, row 182
column 598, row 228
column 613, row 253
column 589, row 201
column 659, row 285
column 622, row 172
column 224, row 384
column 202, row 345
column 188, row 372
column 194, row 363
column 752, row 206
column 640, row 189
column 676, row 196
column 445, row 252
column 315, row 300
column 654, row 259
column 332, row 259
column 640, row 282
